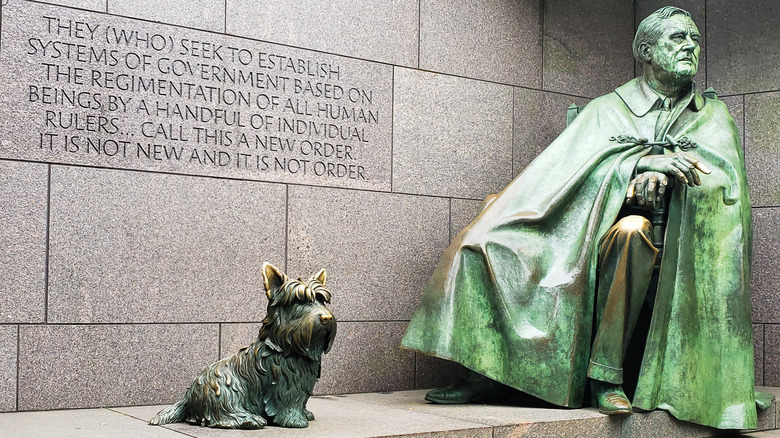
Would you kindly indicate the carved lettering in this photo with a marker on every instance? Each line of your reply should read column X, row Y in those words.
column 121, row 93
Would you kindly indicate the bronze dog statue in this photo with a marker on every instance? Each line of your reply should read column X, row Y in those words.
column 272, row 379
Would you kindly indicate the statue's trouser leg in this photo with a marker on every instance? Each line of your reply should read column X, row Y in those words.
column 626, row 259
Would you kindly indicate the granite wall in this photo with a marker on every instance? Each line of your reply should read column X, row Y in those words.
column 153, row 154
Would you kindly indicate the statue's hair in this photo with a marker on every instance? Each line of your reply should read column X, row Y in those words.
column 650, row 29
column 298, row 290
column 290, row 324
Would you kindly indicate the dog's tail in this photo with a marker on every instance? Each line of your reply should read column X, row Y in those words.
column 171, row 414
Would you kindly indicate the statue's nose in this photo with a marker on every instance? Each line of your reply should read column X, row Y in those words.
column 326, row 319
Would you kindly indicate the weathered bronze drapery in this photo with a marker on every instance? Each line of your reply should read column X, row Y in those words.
column 514, row 296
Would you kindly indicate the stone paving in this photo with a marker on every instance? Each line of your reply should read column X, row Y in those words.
column 401, row 414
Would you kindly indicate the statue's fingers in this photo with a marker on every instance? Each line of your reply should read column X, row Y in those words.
column 630, row 190
column 702, row 167
column 696, row 163
column 685, row 156
column 640, row 190
column 663, row 182
column 686, row 171
column 678, row 174
column 696, row 179
column 650, row 189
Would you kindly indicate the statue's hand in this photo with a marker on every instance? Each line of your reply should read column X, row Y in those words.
column 647, row 190
column 678, row 165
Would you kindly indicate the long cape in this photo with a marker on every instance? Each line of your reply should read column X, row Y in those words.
column 513, row 296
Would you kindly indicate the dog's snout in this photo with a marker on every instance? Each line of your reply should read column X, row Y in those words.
column 326, row 319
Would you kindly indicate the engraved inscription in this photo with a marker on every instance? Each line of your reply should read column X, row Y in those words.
column 101, row 90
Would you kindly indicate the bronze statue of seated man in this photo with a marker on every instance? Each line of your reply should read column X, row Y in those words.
column 638, row 211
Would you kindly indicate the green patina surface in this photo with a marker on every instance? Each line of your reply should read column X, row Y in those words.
column 512, row 297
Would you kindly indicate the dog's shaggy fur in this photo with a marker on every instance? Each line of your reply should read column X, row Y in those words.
column 271, row 379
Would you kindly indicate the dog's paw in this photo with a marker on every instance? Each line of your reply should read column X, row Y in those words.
column 309, row 415
column 239, row 421
column 252, row 423
column 291, row 419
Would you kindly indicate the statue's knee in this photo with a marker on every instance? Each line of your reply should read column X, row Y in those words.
column 631, row 231
column 634, row 224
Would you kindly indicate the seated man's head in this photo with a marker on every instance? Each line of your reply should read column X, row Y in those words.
column 667, row 46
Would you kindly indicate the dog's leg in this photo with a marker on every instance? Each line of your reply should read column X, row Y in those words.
column 291, row 417
column 239, row 420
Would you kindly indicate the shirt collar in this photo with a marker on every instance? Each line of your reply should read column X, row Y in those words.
column 640, row 98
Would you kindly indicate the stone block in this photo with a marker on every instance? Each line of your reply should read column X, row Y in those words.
column 496, row 40
column 765, row 282
column 736, row 106
column 365, row 358
column 452, row 136
column 198, row 14
column 766, row 419
column 24, row 198
column 587, row 46
column 764, row 434
column 463, row 212
column 661, row 424
column 738, row 35
column 85, row 366
column 774, row 411
column 432, row 372
column 506, row 420
column 8, row 346
column 147, row 96
column 597, row 427
column 345, row 417
column 233, row 337
column 378, row 31
column 772, row 352
column 140, row 247
column 539, row 117
column 379, row 249
column 81, row 423
column 696, row 8
column 762, row 148
column 758, row 352
column 92, row 5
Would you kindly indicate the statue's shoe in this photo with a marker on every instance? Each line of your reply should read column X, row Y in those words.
column 463, row 392
column 450, row 395
column 611, row 398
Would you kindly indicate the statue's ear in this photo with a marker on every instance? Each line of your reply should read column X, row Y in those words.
column 273, row 279
column 321, row 276
column 644, row 51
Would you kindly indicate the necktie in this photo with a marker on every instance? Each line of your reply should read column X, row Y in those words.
column 663, row 116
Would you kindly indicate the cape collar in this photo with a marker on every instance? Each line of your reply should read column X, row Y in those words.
column 640, row 98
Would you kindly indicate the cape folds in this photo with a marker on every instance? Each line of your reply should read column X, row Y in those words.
column 512, row 297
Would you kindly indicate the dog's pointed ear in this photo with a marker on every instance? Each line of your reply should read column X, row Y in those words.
column 321, row 276
column 273, row 279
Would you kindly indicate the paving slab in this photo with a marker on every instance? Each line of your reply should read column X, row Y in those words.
column 79, row 423
column 396, row 414
column 342, row 416
column 764, row 434
column 507, row 420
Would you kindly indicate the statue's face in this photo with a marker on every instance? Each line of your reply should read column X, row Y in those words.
column 675, row 57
